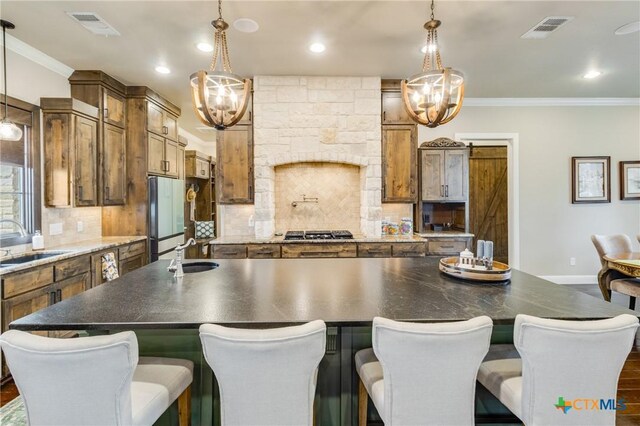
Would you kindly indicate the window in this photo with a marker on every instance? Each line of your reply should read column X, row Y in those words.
column 20, row 176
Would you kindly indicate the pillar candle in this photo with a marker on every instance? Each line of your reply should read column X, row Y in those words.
column 480, row 249
column 488, row 249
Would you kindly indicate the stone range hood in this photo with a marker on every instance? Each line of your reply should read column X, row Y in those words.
column 320, row 120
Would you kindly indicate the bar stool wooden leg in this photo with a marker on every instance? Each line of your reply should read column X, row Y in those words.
column 363, row 400
column 184, row 407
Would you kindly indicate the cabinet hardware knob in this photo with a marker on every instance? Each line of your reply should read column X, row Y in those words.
column 52, row 298
column 446, row 190
column 59, row 294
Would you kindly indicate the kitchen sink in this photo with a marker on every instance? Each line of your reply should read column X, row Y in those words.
column 192, row 267
column 31, row 257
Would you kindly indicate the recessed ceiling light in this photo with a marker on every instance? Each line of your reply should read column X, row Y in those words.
column 246, row 25
column 205, row 47
column 162, row 69
column 629, row 28
column 592, row 74
column 317, row 48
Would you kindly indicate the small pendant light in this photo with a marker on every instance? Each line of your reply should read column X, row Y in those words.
column 8, row 130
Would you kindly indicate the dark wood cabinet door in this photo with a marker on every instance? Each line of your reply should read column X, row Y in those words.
column 181, row 172
column 86, row 159
column 57, row 160
column 114, row 174
column 399, row 150
column 155, row 119
column 113, row 109
column 68, row 288
column 155, row 162
column 235, row 165
column 131, row 264
column 170, row 126
column 171, row 158
column 432, row 163
column 393, row 110
column 456, row 180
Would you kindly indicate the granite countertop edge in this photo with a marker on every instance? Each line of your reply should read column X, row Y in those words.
column 74, row 249
column 415, row 238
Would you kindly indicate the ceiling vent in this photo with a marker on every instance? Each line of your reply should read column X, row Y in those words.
column 93, row 23
column 545, row 27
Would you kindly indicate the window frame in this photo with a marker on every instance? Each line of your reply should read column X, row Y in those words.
column 24, row 113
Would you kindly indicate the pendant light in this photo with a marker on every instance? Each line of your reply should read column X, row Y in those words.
column 434, row 96
column 8, row 130
column 219, row 97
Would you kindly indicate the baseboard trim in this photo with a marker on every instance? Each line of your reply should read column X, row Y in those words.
column 571, row 279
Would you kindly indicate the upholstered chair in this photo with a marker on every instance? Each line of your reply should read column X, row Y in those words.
column 561, row 361
column 94, row 380
column 614, row 280
column 422, row 374
column 266, row 377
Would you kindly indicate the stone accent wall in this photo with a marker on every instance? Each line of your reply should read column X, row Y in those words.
column 317, row 119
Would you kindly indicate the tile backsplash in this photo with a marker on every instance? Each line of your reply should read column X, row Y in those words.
column 336, row 188
column 67, row 220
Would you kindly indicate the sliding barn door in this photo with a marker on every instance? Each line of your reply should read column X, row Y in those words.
column 488, row 211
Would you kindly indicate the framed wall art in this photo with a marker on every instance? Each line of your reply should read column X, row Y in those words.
column 590, row 180
column 630, row 180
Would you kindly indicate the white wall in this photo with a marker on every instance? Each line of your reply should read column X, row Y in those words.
column 29, row 81
column 551, row 228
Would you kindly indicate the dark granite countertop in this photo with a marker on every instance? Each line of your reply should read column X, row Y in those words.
column 272, row 292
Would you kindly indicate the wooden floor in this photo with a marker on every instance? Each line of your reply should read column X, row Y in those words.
column 628, row 385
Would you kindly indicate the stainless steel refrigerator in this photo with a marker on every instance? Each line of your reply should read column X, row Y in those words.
column 166, row 216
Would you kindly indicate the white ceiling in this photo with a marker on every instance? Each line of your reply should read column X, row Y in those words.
column 379, row 38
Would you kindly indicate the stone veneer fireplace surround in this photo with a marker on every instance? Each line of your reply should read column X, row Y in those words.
column 319, row 120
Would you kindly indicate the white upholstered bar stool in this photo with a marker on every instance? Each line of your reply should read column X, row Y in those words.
column 422, row 374
column 94, row 380
column 561, row 359
column 266, row 377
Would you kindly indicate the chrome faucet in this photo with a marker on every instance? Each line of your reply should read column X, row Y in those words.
column 21, row 230
column 176, row 264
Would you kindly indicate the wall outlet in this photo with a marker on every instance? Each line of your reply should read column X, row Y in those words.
column 572, row 261
column 79, row 226
column 55, row 228
column 251, row 221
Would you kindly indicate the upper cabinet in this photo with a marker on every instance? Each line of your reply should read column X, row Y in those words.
column 393, row 110
column 399, row 148
column 234, row 159
column 445, row 174
column 198, row 165
column 108, row 95
column 71, row 152
column 162, row 128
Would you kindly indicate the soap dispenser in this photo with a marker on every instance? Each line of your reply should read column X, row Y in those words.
column 37, row 241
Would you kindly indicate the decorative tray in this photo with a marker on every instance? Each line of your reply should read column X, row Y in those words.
column 451, row 266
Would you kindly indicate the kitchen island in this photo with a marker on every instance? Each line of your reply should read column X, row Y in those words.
column 345, row 293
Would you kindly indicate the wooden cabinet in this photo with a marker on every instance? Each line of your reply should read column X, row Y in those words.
column 114, row 108
column 399, row 149
column 393, row 110
column 181, row 162
column 408, row 249
column 71, row 267
column 197, row 165
column 445, row 174
column 114, row 177
column 447, row 246
column 247, row 118
column 319, row 250
column 163, row 156
column 108, row 96
column 374, row 249
column 229, row 251
column 234, row 161
column 132, row 257
column 263, row 251
column 71, row 152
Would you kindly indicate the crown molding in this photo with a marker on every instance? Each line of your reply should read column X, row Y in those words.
column 549, row 102
column 21, row 48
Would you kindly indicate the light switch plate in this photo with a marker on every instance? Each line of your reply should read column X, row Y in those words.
column 55, row 228
column 79, row 226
